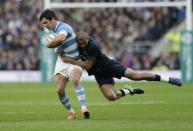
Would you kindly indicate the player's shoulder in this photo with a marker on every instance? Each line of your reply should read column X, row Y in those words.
column 92, row 45
column 63, row 23
column 61, row 26
column 92, row 42
column 64, row 28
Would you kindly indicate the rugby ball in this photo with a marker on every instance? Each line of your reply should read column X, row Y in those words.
column 50, row 36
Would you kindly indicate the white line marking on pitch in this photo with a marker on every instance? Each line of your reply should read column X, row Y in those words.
column 94, row 103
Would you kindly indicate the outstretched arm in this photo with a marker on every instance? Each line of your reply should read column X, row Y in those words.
column 84, row 64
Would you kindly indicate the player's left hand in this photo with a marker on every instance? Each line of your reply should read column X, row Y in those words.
column 59, row 52
column 66, row 59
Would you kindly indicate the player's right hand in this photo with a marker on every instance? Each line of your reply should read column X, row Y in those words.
column 59, row 52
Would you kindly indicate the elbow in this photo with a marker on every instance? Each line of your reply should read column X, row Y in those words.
column 48, row 46
column 48, row 43
column 86, row 67
column 51, row 45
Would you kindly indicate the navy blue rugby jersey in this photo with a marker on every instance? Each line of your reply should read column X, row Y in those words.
column 93, row 53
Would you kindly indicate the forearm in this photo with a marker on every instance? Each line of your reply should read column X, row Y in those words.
column 56, row 41
column 53, row 44
column 84, row 64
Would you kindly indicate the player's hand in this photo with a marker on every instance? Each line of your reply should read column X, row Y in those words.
column 59, row 52
column 66, row 59
column 60, row 37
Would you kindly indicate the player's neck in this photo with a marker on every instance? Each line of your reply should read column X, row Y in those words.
column 56, row 23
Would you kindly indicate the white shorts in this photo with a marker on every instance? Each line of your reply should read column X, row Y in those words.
column 65, row 69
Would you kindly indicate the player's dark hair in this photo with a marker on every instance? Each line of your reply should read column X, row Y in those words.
column 48, row 14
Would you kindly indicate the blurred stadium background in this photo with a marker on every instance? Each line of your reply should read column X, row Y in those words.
column 156, row 39
column 139, row 38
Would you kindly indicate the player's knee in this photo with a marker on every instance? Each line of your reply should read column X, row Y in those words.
column 111, row 97
column 60, row 91
column 75, row 81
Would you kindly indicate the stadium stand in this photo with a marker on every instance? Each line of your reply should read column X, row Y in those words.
column 109, row 0
column 19, row 38
column 126, row 35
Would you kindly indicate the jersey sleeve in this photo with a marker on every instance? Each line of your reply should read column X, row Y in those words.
column 62, row 30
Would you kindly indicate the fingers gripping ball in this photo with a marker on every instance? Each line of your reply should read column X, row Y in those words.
column 50, row 37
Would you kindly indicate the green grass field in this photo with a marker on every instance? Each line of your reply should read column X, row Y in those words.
column 35, row 107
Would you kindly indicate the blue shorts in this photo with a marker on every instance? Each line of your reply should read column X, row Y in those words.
column 111, row 70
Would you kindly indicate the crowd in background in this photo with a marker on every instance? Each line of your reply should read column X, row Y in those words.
column 110, row 0
column 116, row 30
column 19, row 38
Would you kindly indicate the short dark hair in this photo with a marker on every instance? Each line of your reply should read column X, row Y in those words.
column 48, row 14
column 82, row 36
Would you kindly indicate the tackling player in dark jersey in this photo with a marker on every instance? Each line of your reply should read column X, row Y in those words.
column 104, row 69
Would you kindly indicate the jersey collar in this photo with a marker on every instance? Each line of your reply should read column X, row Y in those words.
column 56, row 26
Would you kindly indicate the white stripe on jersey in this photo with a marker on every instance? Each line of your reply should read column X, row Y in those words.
column 70, row 38
column 73, row 55
column 64, row 32
column 70, row 48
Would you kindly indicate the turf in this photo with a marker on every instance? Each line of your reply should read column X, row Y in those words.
column 35, row 107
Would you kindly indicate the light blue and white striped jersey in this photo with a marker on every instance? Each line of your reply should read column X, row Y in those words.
column 69, row 46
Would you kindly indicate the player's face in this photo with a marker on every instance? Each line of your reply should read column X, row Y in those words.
column 83, row 44
column 48, row 24
column 82, row 39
